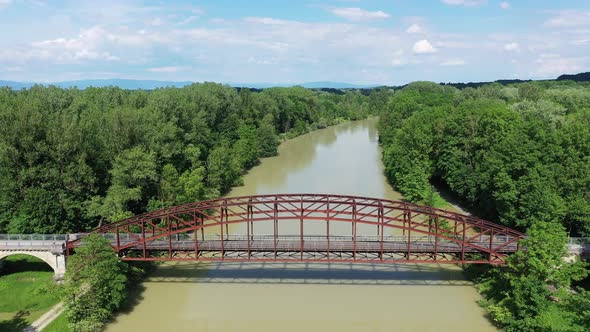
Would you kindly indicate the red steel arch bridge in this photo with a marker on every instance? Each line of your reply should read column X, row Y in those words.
column 308, row 227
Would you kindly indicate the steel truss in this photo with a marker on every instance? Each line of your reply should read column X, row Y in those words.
column 200, row 231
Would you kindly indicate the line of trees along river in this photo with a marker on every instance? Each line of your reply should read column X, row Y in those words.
column 515, row 154
column 518, row 155
column 71, row 159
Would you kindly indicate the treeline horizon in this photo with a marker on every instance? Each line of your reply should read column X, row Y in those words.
column 72, row 159
column 336, row 88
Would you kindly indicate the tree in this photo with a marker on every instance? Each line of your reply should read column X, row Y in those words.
column 223, row 169
column 525, row 304
column 267, row 138
column 546, row 246
column 246, row 149
column 579, row 305
column 95, row 284
column 133, row 173
column 191, row 184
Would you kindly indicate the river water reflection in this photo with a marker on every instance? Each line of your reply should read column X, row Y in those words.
column 343, row 159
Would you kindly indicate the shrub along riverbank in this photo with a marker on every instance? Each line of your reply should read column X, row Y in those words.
column 97, row 284
column 518, row 155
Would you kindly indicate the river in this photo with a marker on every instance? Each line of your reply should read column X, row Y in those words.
column 343, row 159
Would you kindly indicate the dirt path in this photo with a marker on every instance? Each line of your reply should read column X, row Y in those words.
column 47, row 318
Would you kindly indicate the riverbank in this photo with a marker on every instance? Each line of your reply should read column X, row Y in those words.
column 302, row 130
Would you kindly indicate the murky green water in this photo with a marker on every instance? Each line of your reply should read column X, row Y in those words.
column 343, row 297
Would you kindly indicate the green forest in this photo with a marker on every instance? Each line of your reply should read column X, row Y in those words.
column 516, row 154
column 72, row 159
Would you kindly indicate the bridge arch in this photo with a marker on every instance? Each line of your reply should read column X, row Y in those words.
column 56, row 262
column 226, row 229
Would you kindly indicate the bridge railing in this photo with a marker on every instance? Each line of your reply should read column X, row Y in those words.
column 579, row 240
column 186, row 236
column 33, row 237
column 271, row 237
column 262, row 237
column 129, row 237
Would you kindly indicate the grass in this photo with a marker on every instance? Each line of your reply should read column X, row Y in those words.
column 27, row 291
column 60, row 324
column 436, row 201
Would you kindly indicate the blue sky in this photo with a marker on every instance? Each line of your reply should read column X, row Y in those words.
column 294, row 41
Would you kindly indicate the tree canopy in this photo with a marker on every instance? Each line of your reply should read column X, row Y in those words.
column 71, row 159
column 514, row 154
column 95, row 285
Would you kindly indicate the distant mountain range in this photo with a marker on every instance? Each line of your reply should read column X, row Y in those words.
column 151, row 84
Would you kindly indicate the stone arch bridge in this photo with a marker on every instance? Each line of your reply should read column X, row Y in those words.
column 50, row 248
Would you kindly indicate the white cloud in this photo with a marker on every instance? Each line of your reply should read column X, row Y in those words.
column 399, row 62
column 262, row 61
column 357, row 14
column 415, row 28
column 504, row 5
column 13, row 69
column 218, row 21
column 197, row 11
column 423, row 47
column 84, row 47
column 581, row 41
column 167, row 69
column 188, row 20
column 548, row 55
column 157, row 22
column 467, row 3
column 399, row 59
column 453, row 62
column 515, row 47
column 265, row 20
column 137, row 38
column 554, row 65
column 4, row 3
column 569, row 19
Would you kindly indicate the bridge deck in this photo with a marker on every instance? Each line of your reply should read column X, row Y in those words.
column 314, row 246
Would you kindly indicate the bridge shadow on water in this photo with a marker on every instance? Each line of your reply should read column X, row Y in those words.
column 310, row 273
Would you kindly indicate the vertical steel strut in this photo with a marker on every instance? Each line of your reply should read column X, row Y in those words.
column 328, row 228
column 301, row 229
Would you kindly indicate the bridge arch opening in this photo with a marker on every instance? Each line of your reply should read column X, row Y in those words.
column 25, row 260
